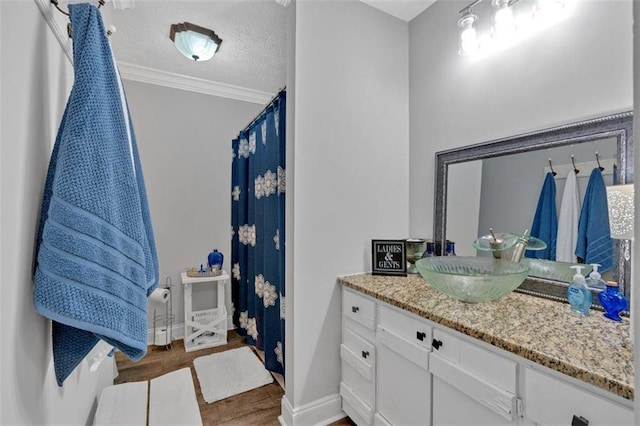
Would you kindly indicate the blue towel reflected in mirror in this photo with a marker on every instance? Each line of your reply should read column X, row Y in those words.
column 545, row 221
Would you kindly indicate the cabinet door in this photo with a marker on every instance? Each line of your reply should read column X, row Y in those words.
column 403, row 391
column 453, row 407
column 470, row 384
column 550, row 401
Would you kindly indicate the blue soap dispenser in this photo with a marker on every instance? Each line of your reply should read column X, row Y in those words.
column 578, row 293
column 595, row 279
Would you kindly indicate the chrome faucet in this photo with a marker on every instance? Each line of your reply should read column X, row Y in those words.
column 499, row 251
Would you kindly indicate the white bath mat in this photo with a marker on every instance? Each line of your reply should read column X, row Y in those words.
column 229, row 373
column 172, row 400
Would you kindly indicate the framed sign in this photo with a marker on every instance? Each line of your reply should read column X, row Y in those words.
column 388, row 257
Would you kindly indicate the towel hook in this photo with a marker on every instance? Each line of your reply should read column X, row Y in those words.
column 553, row 172
column 573, row 161
column 598, row 161
column 69, row 29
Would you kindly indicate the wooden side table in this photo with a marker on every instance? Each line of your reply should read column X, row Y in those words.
column 208, row 327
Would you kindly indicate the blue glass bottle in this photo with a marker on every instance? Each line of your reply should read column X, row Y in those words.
column 451, row 249
column 215, row 258
column 431, row 249
column 612, row 301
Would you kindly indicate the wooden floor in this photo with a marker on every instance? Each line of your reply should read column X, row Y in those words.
column 257, row 407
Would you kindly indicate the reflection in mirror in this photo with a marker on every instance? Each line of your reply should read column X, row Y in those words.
column 497, row 185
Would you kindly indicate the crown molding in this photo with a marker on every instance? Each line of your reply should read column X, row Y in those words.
column 193, row 84
column 153, row 76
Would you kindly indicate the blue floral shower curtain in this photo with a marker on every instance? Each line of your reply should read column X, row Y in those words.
column 258, row 233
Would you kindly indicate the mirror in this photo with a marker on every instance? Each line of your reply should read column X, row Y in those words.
column 475, row 186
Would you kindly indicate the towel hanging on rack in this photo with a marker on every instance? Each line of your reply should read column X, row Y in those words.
column 594, row 244
column 568, row 220
column 96, row 254
column 545, row 221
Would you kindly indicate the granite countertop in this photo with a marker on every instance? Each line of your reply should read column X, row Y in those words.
column 593, row 349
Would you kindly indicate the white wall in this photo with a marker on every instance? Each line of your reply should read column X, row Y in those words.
column 184, row 140
column 35, row 83
column 574, row 71
column 351, row 179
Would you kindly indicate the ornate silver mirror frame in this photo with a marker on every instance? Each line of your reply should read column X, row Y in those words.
column 617, row 126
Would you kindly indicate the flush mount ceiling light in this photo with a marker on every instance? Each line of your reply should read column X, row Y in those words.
column 511, row 21
column 195, row 42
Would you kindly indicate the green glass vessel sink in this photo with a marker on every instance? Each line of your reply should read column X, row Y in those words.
column 472, row 279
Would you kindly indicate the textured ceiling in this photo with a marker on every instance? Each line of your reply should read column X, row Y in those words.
column 253, row 32
column 253, row 51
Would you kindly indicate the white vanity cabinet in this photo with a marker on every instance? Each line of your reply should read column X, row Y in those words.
column 554, row 401
column 471, row 385
column 401, row 369
column 358, row 357
column 403, row 381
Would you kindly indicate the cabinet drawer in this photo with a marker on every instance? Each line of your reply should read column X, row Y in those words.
column 479, row 362
column 358, row 374
column 404, row 325
column 365, row 350
column 409, row 350
column 356, row 408
column 550, row 401
column 359, row 308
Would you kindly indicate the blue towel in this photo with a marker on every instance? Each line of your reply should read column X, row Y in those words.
column 545, row 222
column 594, row 243
column 96, row 255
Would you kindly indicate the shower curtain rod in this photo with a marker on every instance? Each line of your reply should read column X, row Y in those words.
column 267, row 105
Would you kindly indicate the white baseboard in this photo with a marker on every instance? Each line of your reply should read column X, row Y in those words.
column 319, row 412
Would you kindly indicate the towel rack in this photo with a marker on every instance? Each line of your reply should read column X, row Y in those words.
column 551, row 167
column 573, row 161
column 598, row 161
column 562, row 170
column 55, row 3
column 101, row 3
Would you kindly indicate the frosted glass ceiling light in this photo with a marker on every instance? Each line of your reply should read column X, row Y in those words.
column 468, row 34
column 195, row 42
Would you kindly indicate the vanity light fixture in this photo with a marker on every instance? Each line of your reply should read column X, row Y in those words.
column 195, row 42
column 511, row 20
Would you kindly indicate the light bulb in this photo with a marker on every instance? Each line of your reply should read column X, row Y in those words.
column 548, row 10
column 468, row 37
column 504, row 25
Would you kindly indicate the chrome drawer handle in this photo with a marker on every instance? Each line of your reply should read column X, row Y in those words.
column 354, row 309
